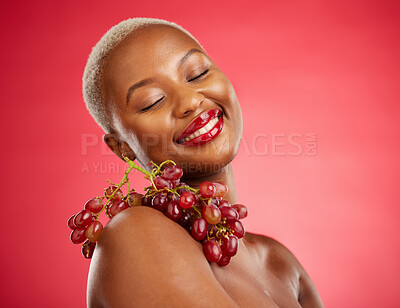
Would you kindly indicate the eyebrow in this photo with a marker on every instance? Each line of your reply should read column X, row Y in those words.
column 151, row 80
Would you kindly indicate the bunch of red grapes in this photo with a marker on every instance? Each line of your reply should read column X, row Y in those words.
column 202, row 212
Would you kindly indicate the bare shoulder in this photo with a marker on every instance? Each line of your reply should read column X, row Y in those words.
column 273, row 250
column 138, row 221
column 278, row 259
column 275, row 256
column 142, row 259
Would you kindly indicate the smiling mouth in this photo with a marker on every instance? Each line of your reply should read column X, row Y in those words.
column 203, row 129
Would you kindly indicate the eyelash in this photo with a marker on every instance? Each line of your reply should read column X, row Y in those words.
column 155, row 103
column 203, row 73
column 152, row 105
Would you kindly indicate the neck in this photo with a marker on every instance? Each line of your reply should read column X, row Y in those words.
column 225, row 175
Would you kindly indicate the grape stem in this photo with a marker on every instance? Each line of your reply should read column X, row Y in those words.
column 168, row 161
column 124, row 180
column 132, row 165
column 194, row 206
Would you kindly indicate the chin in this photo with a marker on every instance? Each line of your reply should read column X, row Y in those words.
column 200, row 162
column 193, row 170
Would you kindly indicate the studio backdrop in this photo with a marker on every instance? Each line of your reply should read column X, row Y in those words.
column 318, row 165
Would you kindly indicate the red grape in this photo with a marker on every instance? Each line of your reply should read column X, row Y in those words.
column 94, row 205
column 229, row 213
column 203, row 242
column 159, row 202
column 173, row 173
column 229, row 245
column 175, row 183
column 212, row 230
column 173, row 210
column 210, row 220
column 147, row 200
column 215, row 201
column 185, row 219
column 241, row 209
column 220, row 189
column 199, row 229
column 224, row 260
column 134, row 199
column 212, row 250
column 172, row 197
column 93, row 231
column 212, row 214
column 206, row 189
column 237, row 228
column 161, row 183
column 71, row 223
column 224, row 203
column 186, row 200
column 118, row 194
column 88, row 249
column 182, row 189
column 201, row 203
column 78, row 235
column 116, row 207
column 83, row 218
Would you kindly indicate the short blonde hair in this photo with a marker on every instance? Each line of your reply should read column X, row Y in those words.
column 91, row 81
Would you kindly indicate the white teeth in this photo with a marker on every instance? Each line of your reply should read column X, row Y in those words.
column 203, row 130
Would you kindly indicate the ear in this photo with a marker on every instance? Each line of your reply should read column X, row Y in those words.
column 120, row 148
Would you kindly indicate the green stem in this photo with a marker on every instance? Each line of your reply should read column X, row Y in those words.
column 196, row 209
column 167, row 162
column 133, row 165
column 124, row 180
column 152, row 183
column 192, row 189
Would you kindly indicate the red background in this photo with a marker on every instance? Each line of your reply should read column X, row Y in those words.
column 326, row 68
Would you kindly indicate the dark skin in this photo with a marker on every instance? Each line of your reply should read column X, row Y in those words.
column 143, row 259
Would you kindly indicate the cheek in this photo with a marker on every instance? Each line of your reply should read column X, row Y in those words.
column 223, row 92
column 149, row 133
column 154, row 136
column 220, row 89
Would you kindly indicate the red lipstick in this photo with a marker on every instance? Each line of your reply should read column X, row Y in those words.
column 203, row 129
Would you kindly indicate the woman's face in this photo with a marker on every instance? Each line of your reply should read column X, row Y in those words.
column 168, row 100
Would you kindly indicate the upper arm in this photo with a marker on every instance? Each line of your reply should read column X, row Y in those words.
column 142, row 259
column 289, row 265
column 308, row 295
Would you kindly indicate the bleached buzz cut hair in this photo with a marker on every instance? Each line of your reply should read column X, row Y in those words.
column 91, row 81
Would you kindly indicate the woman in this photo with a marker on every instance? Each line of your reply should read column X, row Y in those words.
column 145, row 82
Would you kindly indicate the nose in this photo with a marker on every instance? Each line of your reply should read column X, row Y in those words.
column 187, row 102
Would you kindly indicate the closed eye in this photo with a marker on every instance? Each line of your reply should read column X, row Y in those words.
column 203, row 73
column 152, row 105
